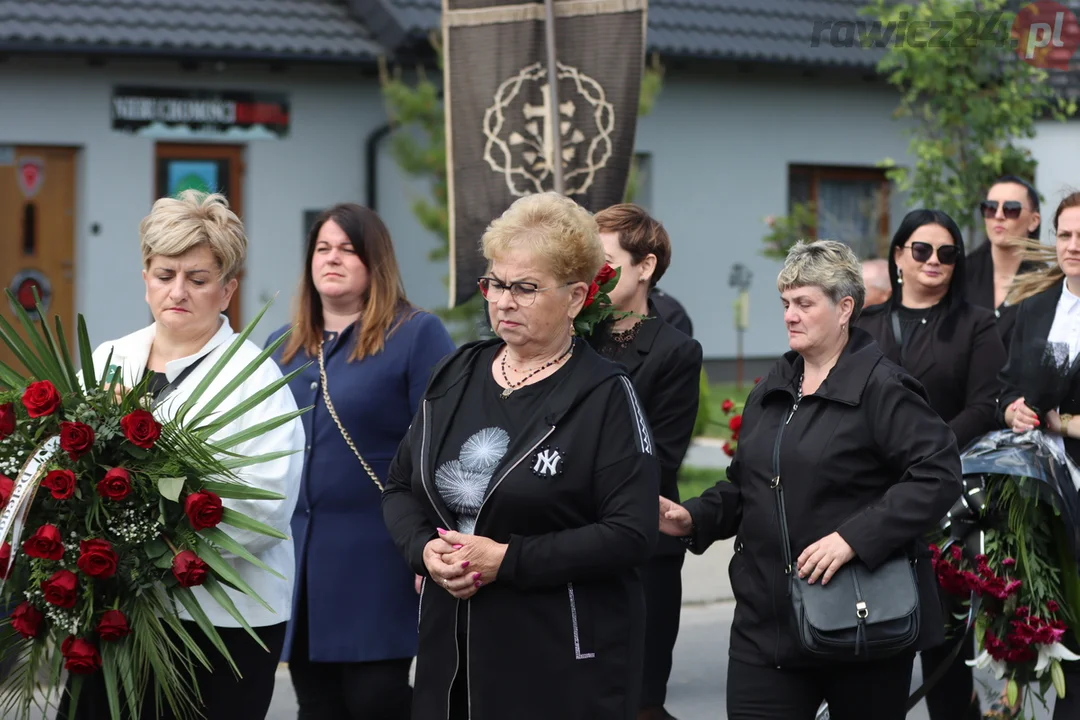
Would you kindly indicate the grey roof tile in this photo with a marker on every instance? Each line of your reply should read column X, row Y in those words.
column 284, row 29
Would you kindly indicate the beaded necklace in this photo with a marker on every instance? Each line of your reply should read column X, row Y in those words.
column 511, row 387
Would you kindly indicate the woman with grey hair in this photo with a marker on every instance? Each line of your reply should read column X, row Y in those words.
column 868, row 467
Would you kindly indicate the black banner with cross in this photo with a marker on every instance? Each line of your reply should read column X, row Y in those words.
column 499, row 125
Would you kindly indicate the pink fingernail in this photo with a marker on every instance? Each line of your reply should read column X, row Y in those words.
column 458, row 547
column 465, row 564
column 478, row 584
column 441, row 531
column 476, row 576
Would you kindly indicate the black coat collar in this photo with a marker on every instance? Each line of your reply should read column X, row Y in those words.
column 643, row 341
column 847, row 379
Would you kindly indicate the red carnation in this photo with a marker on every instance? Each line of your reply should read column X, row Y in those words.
column 97, row 558
column 141, row 429
column 1052, row 606
column 1008, row 562
column 61, row 483
column 80, row 656
column 593, row 289
column 7, row 486
column 727, row 406
column 735, row 423
column 41, row 399
column 45, row 544
column 76, row 439
column 7, row 420
column 26, row 619
column 60, row 589
column 116, row 485
column 5, row 560
column 606, row 274
column 203, row 509
column 188, row 569
column 113, row 625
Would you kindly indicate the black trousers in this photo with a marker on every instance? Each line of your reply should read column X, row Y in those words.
column 225, row 697
column 662, row 580
column 346, row 690
column 855, row 691
column 952, row 698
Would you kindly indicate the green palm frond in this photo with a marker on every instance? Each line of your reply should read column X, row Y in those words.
column 86, row 354
column 246, row 405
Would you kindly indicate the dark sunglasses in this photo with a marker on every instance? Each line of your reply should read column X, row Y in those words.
column 921, row 252
column 1011, row 209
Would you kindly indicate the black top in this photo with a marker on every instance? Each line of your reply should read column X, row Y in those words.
column 665, row 366
column 958, row 370
column 157, row 383
column 476, row 443
column 865, row 456
column 911, row 320
column 979, row 272
column 575, row 499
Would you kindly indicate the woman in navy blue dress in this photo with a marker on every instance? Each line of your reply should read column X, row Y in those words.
column 353, row 635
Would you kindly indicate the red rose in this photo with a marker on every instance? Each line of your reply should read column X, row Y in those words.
column 727, row 406
column 113, row 625
column 76, row 439
column 728, row 450
column 141, row 428
column 61, row 483
column 5, row 560
column 7, row 486
column 97, row 558
column 116, row 485
column 606, row 274
column 45, row 543
column 25, row 620
column 41, row 399
column 735, row 423
column 188, row 569
column 81, row 657
column 757, row 380
column 593, row 289
column 60, row 589
column 203, row 509
column 7, row 420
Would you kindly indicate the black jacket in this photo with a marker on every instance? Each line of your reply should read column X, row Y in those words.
column 665, row 366
column 560, row 631
column 865, row 456
column 672, row 311
column 959, row 372
column 979, row 288
column 1034, row 318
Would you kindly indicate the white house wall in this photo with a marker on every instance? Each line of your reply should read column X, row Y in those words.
column 321, row 162
column 1056, row 147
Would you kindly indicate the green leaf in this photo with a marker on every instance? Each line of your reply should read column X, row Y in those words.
column 42, row 346
column 1011, row 691
column 65, row 356
column 21, row 350
column 155, row 548
column 1058, row 676
column 259, row 430
column 241, row 462
column 86, row 354
column 108, row 670
column 228, row 544
column 243, row 522
column 246, row 405
column 216, row 591
column 170, row 487
column 11, row 379
column 191, row 604
column 163, row 562
column 219, row 565
column 230, row 387
column 236, row 491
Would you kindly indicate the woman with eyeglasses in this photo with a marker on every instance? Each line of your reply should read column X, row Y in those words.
column 953, row 348
column 1011, row 214
column 527, row 493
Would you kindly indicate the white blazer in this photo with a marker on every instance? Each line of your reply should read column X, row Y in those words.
column 282, row 476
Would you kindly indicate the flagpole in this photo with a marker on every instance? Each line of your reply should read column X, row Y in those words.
column 553, row 96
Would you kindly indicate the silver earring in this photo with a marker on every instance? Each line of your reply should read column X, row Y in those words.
column 899, row 276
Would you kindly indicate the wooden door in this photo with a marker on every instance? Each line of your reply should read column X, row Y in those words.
column 37, row 235
column 210, row 168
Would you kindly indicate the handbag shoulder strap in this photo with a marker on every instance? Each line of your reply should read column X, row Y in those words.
column 781, row 511
column 341, row 428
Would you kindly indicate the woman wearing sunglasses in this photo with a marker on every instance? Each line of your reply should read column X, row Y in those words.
column 953, row 348
column 1011, row 214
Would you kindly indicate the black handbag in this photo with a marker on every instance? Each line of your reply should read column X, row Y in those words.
column 861, row 614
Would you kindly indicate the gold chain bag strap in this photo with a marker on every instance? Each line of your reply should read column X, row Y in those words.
column 333, row 414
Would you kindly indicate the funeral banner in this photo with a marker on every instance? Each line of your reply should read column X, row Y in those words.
column 499, row 124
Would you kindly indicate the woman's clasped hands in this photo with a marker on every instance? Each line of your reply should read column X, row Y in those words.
column 462, row 564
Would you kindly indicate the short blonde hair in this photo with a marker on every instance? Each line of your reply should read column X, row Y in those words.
column 826, row 264
column 558, row 230
column 176, row 225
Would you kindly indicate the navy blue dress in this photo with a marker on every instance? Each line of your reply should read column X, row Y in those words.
column 361, row 603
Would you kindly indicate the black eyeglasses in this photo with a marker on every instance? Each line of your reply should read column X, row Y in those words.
column 921, row 252
column 524, row 293
column 1011, row 209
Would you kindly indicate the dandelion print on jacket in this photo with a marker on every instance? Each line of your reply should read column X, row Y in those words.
column 463, row 482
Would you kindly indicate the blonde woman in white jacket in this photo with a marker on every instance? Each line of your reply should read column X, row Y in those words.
column 193, row 248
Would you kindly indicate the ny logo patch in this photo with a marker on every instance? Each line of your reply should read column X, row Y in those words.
column 547, row 462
